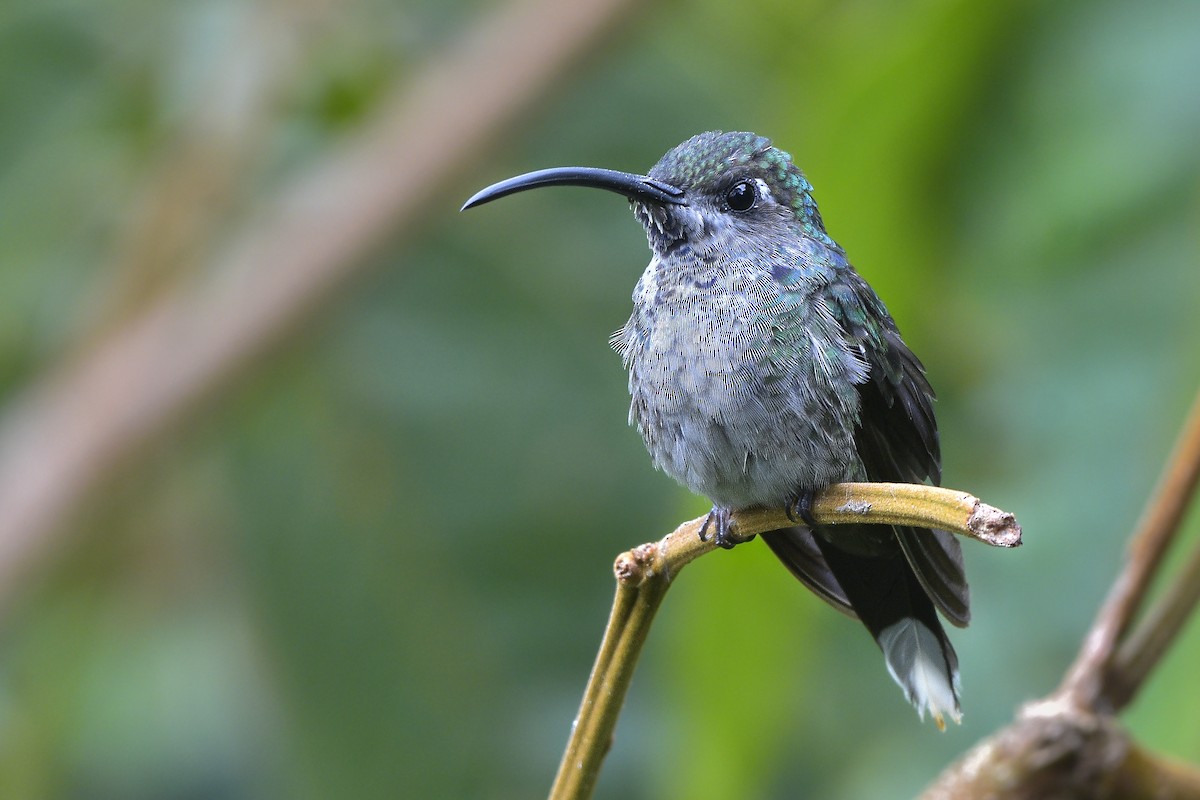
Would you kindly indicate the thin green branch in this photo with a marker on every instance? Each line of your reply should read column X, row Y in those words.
column 645, row 573
column 591, row 736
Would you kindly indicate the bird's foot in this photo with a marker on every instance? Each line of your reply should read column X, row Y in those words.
column 722, row 529
column 800, row 509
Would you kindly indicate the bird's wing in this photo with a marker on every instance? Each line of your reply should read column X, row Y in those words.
column 897, row 437
column 798, row 550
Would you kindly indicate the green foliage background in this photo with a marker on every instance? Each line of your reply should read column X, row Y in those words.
column 379, row 566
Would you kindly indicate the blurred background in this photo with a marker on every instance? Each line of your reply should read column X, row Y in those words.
column 310, row 486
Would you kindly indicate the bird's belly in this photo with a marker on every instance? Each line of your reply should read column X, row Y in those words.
column 711, row 422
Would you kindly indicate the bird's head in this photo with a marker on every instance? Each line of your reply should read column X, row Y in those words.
column 713, row 188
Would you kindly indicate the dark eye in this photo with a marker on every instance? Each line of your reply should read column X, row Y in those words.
column 741, row 196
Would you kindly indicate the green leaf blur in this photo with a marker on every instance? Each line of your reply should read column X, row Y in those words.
column 378, row 564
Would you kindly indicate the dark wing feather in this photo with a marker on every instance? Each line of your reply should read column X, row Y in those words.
column 797, row 549
column 897, row 438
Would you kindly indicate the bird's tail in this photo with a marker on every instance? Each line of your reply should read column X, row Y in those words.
column 878, row 586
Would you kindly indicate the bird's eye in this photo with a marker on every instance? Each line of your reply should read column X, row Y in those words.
column 741, row 196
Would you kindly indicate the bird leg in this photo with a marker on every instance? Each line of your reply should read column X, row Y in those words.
column 723, row 533
column 800, row 509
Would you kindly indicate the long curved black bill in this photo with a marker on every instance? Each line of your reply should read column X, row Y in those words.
column 635, row 187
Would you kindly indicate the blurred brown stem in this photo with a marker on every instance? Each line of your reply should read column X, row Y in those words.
column 1091, row 677
column 1071, row 744
column 197, row 178
column 1140, row 650
column 645, row 573
column 75, row 424
column 1054, row 750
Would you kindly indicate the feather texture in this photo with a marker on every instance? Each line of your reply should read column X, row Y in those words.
column 924, row 666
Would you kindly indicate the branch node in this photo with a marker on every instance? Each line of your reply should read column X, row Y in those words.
column 634, row 567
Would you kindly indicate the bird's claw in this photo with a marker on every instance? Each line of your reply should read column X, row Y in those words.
column 722, row 523
column 800, row 509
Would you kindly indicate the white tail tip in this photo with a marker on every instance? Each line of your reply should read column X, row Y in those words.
column 915, row 659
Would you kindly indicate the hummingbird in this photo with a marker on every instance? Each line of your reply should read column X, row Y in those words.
column 763, row 368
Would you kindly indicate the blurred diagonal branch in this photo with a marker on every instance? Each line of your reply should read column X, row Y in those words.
column 1144, row 646
column 1087, row 682
column 1070, row 743
column 73, row 425
column 1129, row 654
column 195, row 180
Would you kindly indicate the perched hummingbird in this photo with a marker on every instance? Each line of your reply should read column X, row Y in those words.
column 763, row 368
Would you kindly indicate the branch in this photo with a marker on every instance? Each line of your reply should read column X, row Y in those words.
column 645, row 573
column 1070, row 744
column 875, row 503
column 199, row 176
column 1094, row 676
column 1054, row 749
column 1141, row 650
column 79, row 421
